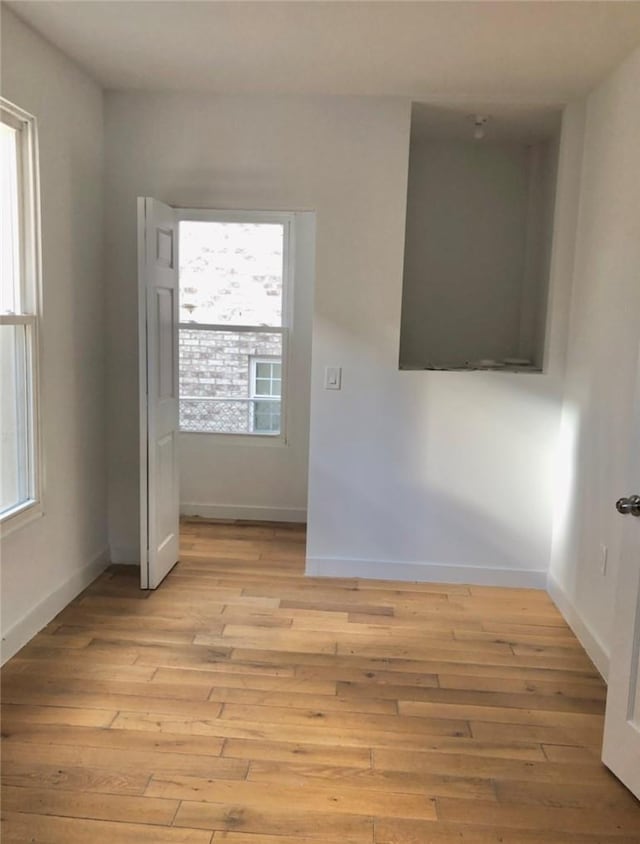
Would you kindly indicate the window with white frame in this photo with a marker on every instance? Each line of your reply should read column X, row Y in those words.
column 20, row 493
column 266, row 392
column 233, row 322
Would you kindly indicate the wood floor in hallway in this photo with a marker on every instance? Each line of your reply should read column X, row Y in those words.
column 244, row 703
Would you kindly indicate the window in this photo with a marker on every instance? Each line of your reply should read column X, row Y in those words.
column 233, row 322
column 19, row 286
column 266, row 390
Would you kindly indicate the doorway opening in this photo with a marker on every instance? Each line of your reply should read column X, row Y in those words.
column 225, row 349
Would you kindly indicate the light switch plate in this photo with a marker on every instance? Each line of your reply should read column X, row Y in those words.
column 332, row 377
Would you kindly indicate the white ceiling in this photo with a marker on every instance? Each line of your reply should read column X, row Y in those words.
column 534, row 52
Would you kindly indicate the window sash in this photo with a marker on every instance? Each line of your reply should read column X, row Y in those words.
column 28, row 480
column 28, row 310
column 270, row 379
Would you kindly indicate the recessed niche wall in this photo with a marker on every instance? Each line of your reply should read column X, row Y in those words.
column 477, row 246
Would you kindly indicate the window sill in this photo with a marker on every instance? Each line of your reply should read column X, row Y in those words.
column 20, row 517
column 235, row 440
column 521, row 370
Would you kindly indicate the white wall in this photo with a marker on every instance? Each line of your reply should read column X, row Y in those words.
column 431, row 475
column 224, row 477
column 45, row 563
column 237, row 152
column 603, row 350
column 411, row 474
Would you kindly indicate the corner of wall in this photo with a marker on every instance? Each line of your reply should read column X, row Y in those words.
column 590, row 641
column 40, row 615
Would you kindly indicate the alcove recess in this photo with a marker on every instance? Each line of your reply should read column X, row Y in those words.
column 478, row 237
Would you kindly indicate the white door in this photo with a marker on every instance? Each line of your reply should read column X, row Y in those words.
column 621, row 749
column 158, row 350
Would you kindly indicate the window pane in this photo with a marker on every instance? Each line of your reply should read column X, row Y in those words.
column 14, row 417
column 215, row 380
column 231, row 273
column 9, row 221
column 266, row 417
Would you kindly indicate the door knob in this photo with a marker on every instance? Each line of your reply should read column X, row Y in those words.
column 629, row 505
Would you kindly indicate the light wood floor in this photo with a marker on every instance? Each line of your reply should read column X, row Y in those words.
column 243, row 703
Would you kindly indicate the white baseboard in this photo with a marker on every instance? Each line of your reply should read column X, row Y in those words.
column 425, row 572
column 125, row 555
column 37, row 618
column 245, row 512
column 592, row 644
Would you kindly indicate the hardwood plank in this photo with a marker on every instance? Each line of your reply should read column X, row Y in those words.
column 567, row 794
column 462, row 653
column 272, row 639
column 298, row 700
column 415, row 621
column 460, row 748
column 59, row 668
column 132, row 703
column 562, row 753
column 395, row 831
column 400, row 782
column 335, row 798
column 417, row 666
column 130, row 763
column 252, row 838
column 548, row 818
column 263, row 678
column 578, row 736
column 495, row 766
column 334, row 606
column 18, row 828
column 14, row 715
column 34, row 773
column 339, row 721
column 406, row 831
column 164, row 742
column 284, row 730
column 591, row 689
column 80, row 804
column 412, row 694
column 319, row 826
column 286, row 751
column 502, row 714
column 18, row 689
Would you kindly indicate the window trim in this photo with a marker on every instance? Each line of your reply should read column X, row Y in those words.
column 287, row 220
column 30, row 306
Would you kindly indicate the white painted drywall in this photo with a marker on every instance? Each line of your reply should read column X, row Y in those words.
column 430, row 474
column 477, row 251
column 45, row 563
column 236, row 153
column 432, row 469
column 601, row 363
